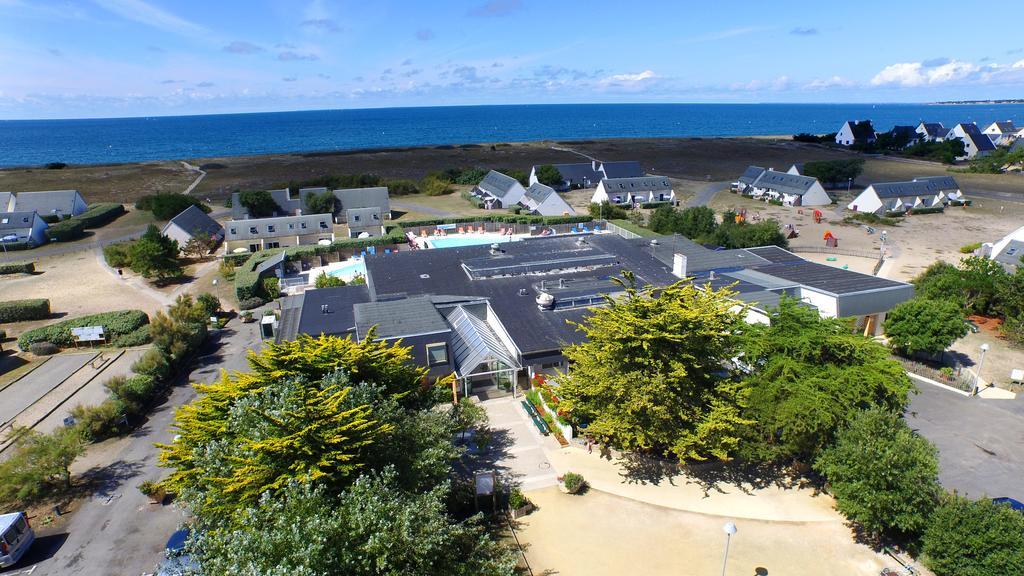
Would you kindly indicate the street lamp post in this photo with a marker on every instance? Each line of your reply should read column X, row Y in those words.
column 981, row 363
column 729, row 528
column 849, row 184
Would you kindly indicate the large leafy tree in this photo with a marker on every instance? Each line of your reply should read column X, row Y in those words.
column 38, row 464
column 833, row 172
column 650, row 374
column 155, row 255
column 374, row 528
column 883, row 475
column 810, row 376
column 259, row 203
column 974, row 538
column 549, row 175
column 696, row 222
column 924, row 326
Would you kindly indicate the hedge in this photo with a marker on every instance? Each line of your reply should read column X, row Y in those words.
column 631, row 227
column 14, row 246
column 20, row 310
column 67, row 230
column 502, row 218
column 17, row 267
column 115, row 324
column 100, row 214
column 933, row 210
column 660, row 203
column 138, row 337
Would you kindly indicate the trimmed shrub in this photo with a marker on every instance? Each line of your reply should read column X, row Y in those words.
column 652, row 205
column 402, row 187
column 970, row 248
column 51, row 218
column 43, row 348
column 117, row 255
column 3, row 334
column 573, row 482
column 167, row 205
column 272, row 287
column 114, row 323
column 99, row 422
column 17, row 267
column 132, row 395
column 138, row 337
column 250, row 303
column 932, row 210
column 15, row 246
column 100, row 214
column 66, row 230
column 209, row 302
column 154, row 363
column 20, row 310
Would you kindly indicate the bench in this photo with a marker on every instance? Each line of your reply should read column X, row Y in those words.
column 539, row 422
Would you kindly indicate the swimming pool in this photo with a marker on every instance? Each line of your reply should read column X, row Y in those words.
column 346, row 270
column 455, row 241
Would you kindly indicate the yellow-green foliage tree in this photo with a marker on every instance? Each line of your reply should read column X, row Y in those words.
column 650, row 375
column 289, row 420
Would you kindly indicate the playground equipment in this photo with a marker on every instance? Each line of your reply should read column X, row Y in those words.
column 830, row 240
column 817, row 216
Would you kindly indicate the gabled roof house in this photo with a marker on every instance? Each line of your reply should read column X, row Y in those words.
column 544, row 201
column 590, row 174
column 1002, row 133
column 928, row 192
column 790, row 189
column 1008, row 251
column 748, row 177
column 192, row 222
column 932, row 131
column 625, row 191
column 59, row 203
column 295, row 203
column 853, row 132
column 498, row 190
column 975, row 143
column 283, row 231
column 26, row 227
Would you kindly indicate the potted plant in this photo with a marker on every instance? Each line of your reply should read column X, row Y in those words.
column 571, row 483
column 518, row 503
column 247, row 316
column 154, row 490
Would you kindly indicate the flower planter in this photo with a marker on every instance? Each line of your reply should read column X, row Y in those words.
column 523, row 510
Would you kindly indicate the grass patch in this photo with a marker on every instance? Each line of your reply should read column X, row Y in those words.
column 639, row 230
column 873, row 219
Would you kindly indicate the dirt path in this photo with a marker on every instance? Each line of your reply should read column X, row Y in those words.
column 197, row 169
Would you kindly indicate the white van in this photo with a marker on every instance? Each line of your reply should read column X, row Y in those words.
column 16, row 537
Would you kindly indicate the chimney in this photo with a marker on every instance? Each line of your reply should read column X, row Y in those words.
column 679, row 265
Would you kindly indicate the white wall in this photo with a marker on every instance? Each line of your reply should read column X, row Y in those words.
column 845, row 135
column 816, row 196
column 866, row 201
column 826, row 304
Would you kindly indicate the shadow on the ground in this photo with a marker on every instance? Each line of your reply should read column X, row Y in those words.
column 9, row 360
column 175, row 281
column 103, row 481
column 709, row 476
column 476, row 460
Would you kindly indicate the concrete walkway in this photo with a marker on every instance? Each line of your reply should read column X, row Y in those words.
column 518, row 449
column 28, row 389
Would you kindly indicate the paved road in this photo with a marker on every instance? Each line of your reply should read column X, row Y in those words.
column 118, row 532
column 517, row 451
column 705, row 194
column 981, row 442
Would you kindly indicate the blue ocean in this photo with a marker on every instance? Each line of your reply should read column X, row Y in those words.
column 35, row 142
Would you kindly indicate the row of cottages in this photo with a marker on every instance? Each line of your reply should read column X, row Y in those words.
column 191, row 223
column 1008, row 251
column 1003, row 133
column 590, row 174
column 498, row 191
column 928, row 192
column 977, row 142
column 856, row 133
column 24, row 216
column 364, row 210
column 634, row 191
column 253, row 235
column 790, row 188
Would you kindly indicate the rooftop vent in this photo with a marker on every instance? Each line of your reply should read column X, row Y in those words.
column 324, row 309
column 495, row 249
column 424, row 276
column 523, row 291
column 545, row 301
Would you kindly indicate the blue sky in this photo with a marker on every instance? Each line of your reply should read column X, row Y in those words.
column 110, row 58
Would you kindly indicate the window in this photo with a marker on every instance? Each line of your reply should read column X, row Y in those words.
column 4, row 221
column 234, row 231
column 291, row 226
column 437, row 354
column 302, row 225
column 376, row 216
column 252, row 230
column 271, row 245
column 323, row 225
column 548, row 365
column 254, row 247
column 270, row 228
column 355, row 217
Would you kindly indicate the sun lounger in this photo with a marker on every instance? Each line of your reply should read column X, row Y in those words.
column 585, row 229
column 574, row 230
column 462, row 230
column 372, row 250
column 502, row 233
column 387, row 250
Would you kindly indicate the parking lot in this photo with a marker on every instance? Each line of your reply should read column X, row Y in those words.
column 981, row 442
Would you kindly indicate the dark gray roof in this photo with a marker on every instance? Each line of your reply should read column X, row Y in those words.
column 497, row 184
column 581, row 173
column 12, row 221
column 928, row 186
column 401, row 317
column 935, row 129
column 1006, row 127
column 862, row 130
column 47, row 202
column 906, row 131
column 282, row 226
column 828, row 279
column 774, row 254
column 351, row 198
column 698, row 258
column 272, row 262
column 784, row 182
column 539, row 192
column 623, row 169
column 339, row 317
column 1017, row 145
column 5, row 200
column 939, row 183
column 1011, row 254
column 642, row 184
column 194, row 221
column 980, row 140
column 750, row 174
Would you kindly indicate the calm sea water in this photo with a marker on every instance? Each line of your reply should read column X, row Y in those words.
column 29, row 142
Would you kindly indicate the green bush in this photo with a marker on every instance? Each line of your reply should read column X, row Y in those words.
column 66, row 230
column 117, row 254
column 115, row 324
column 167, row 205
column 100, row 214
column 15, row 246
column 652, row 205
column 516, row 499
column 99, row 422
column 272, row 287
column 402, row 187
column 970, row 248
column 250, row 303
column 154, row 363
column 43, row 348
column 209, row 302
column 873, row 219
column 499, row 218
column 21, row 310
column 434, row 186
column 932, row 210
column 573, row 482
column 132, row 395
column 17, row 268
column 974, row 538
column 138, row 337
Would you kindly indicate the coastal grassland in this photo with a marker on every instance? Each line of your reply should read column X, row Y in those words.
column 123, row 183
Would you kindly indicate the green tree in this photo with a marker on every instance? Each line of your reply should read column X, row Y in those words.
column 155, row 256
column 648, row 376
column 198, row 246
column 39, row 465
column 549, row 175
column 182, row 329
column 259, row 203
column 321, row 203
column 834, row 172
column 940, row 281
column 884, row 476
column 974, row 538
column 947, row 151
column 325, row 280
column 983, row 282
column 374, row 528
column 434, row 186
column 209, row 302
column 732, row 234
column 924, row 326
column 810, row 376
column 167, row 205
column 607, row 211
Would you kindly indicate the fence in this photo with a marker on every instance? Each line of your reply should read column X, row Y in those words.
column 960, row 378
column 838, row 251
column 615, row 228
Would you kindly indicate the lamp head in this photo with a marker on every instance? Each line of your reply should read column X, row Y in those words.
column 729, row 528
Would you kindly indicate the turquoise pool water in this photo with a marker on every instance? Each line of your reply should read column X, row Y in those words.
column 466, row 240
column 349, row 270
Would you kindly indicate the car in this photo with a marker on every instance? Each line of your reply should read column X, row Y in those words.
column 1013, row 504
column 178, row 562
column 16, row 537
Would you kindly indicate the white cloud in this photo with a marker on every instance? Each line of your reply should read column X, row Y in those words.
column 630, row 78
column 140, row 11
column 777, row 84
column 913, row 74
column 825, row 83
